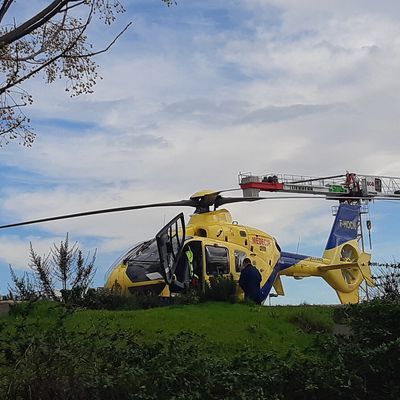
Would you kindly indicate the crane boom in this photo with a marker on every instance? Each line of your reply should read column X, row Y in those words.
column 348, row 185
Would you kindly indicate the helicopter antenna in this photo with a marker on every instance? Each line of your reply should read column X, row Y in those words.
column 298, row 245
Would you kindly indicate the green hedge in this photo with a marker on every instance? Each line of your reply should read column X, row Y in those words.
column 50, row 362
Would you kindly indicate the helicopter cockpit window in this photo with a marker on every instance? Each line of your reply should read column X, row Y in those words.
column 239, row 257
column 217, row 260
column 123, row 258
column 142, row 260
column 147, row 251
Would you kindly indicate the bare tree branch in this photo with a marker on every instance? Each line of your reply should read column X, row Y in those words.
column 33, row 23
column 49, row 61
column 53, row 43
column 68, row 8
column 95, row 53
column 4, row 8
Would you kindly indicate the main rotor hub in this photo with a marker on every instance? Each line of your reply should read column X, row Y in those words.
column 204, row 199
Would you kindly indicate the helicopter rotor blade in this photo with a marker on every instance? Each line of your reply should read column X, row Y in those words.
column 180, row 203
column 202, row 200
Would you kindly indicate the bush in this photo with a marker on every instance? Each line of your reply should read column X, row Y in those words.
column 341, row 314
column 375, row 322
column 38, row 309
column 64, row 266
column 105, row 299
column 372, row 352
column 221, row 288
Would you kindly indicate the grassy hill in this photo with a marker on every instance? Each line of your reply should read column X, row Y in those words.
column 200, row 352
column 226, row 326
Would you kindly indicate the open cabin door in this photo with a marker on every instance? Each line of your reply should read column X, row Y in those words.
column 170, row 242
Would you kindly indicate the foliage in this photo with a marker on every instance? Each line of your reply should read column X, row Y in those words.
column 221, row 288
column 386, row 279
column 104, row 299
column 47, row 361
column 24, row 286
column 52, row 42
column 373, row 349
column 63, row 267
column 218, row 289
column 375, row 322
column 341, row 315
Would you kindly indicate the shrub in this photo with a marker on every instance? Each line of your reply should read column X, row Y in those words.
column 105, row 299
column 64, row 267
column 221, row 288
column 341, row 314
column 375, row 322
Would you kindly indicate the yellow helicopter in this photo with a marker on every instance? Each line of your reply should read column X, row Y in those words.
column 211, row 244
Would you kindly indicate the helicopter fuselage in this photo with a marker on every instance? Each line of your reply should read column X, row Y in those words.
column 219, row 246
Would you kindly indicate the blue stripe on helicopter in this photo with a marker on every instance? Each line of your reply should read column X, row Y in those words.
column 286, row 260
column 345, row 227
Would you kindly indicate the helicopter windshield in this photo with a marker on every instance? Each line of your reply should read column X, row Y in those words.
column 121, row 259
column 145, row 253
column 142, row 261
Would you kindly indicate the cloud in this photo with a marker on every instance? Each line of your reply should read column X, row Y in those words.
column 14, row 250
column 275, row 114
column 203, row 110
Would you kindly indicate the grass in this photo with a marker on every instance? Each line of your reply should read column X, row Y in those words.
column 227, row 327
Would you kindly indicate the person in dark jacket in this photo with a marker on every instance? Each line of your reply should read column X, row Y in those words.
column 249, row 281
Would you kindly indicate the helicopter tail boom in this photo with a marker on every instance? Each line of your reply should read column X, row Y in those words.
column 344, row 266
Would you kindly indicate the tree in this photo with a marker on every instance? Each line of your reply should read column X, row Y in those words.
column 64, row 268
column 53, row 42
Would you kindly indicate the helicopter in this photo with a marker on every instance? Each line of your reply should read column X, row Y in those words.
column 212, row 244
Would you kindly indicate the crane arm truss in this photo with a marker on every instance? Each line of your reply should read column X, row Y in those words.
column 348, row 185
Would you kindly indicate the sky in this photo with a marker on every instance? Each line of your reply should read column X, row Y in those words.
column 195, row 93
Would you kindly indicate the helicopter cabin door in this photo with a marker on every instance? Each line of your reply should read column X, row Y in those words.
column 170, row 242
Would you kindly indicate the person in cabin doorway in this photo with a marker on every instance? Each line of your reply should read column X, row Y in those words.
column 194, row 278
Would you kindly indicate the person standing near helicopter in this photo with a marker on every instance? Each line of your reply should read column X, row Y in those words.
column 249, row 281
